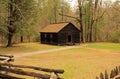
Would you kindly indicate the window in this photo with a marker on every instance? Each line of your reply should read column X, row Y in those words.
column 51, row 35
column 45, row 35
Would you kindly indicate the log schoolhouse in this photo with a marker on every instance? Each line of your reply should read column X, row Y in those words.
column 60, row 34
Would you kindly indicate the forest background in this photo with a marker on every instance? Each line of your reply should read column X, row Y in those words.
column 21, row 20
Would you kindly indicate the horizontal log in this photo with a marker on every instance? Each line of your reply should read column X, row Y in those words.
column 117, row 77
column 2, row 59
column 10, row 56
column 4, row 76
column 6, row 59
column 21, row 72
column 35, row 68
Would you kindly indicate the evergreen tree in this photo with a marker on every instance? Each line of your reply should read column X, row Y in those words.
column 19, row 18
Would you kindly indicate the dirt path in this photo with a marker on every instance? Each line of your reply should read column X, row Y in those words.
column 44, row 51
column 60, row 49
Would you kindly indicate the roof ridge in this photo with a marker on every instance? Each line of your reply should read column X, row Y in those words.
column 60, row 22
column 55, row 27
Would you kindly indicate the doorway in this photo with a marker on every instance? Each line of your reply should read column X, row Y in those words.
column 69, row 38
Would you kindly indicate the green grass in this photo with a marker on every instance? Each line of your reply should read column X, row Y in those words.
column 109, row 46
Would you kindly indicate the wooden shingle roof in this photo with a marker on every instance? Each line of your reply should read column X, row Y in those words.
column 54, row 28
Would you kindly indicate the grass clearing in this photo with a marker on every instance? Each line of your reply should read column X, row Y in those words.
column 78, row 63
column 26, row 47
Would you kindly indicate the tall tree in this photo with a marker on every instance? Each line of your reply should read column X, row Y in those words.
column 93, row 18
column 19, row 16
column 80, row 21
column 13, row 17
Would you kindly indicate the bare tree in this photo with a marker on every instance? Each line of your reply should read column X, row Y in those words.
column 93, row 18
column 80, row 17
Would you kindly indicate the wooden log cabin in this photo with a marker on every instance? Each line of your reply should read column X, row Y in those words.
column 60, row 34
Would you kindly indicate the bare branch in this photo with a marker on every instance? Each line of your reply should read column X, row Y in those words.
column 101, row 15
column 116, row 9
column 70, row 16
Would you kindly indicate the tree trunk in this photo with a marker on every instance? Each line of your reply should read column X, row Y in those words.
column 88, row 34
column 12, row 18
column 55, row 11
column 28, row 38
column 89, row 20
column 10, row 23
column 9, row 43
column 95, row 32
column 82, row 38
column 85, row 31
column 93, row 18
column 91, row 32
column 21, row 39
column 81, row 24
column 55, row 14
column 62, row 13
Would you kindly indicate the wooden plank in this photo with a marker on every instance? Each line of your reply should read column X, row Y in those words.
column 21, row 72
column 117, row 77
column 35, row 68
column 6, row 59
column 10, row 56
column 2, row 59
column 3, row 76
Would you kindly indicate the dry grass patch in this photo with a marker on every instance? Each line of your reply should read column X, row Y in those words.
column 78, row 63
column 85, row 62
column 25, row 47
